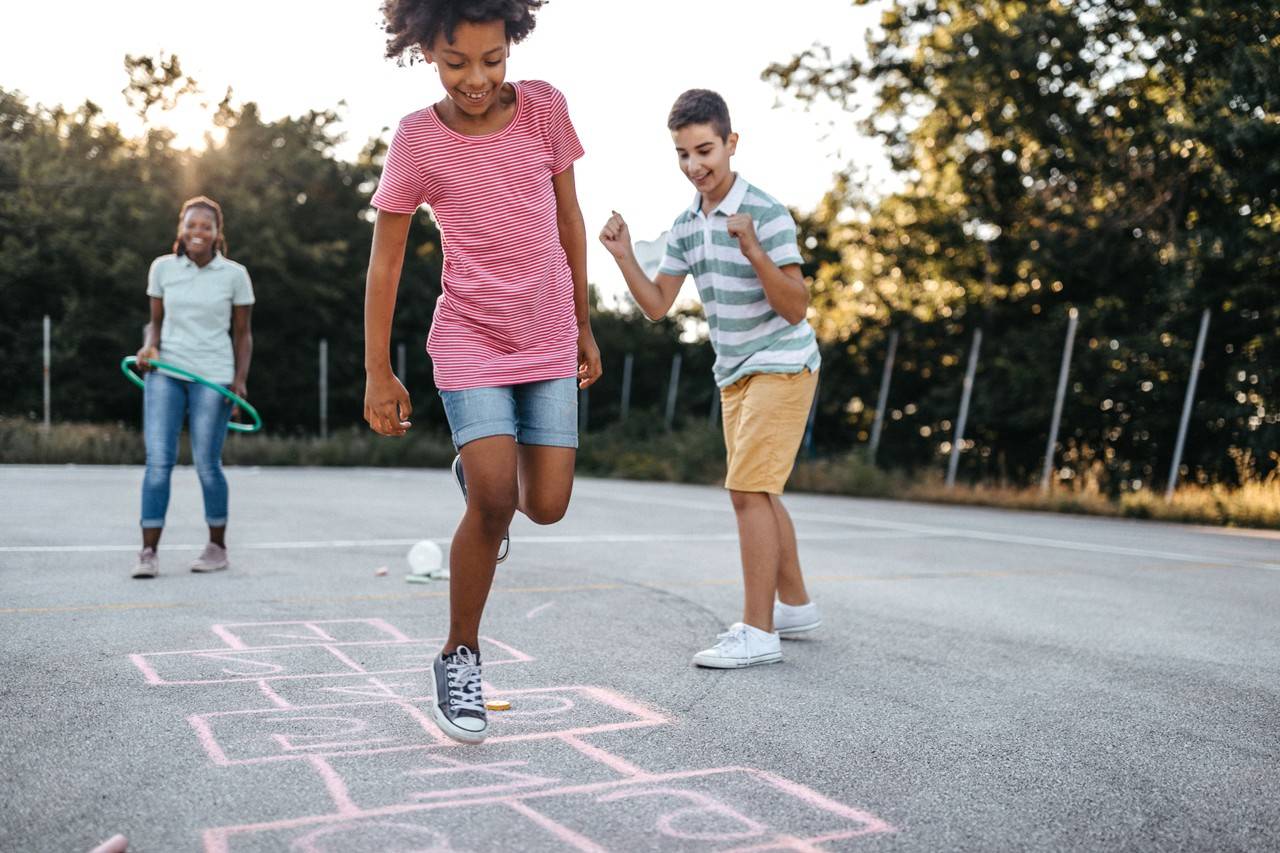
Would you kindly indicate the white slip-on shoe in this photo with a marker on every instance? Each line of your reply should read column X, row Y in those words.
column 148, row 565
column 742, row 645
column 212, row 559
column 790, row 620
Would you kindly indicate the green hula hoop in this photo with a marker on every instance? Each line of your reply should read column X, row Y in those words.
column 130, row 360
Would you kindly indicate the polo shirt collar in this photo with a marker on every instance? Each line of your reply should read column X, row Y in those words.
column 729, row 204
column 217, row 262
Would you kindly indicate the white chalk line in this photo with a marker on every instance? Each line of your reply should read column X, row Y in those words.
column 964, row 533
column 553, row 539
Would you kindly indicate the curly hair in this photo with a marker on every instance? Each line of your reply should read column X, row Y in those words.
column 180, row 248
column 414, row 23
column 701, row 106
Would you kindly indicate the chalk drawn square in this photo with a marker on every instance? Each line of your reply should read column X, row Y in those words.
column 287, row 734
column 724, row 809
column 287, row 693
column 545, row 712
column 457, row 772
column 226, row 666
column 251, row 635
column 439, row 829
column 343, row 728
column 408, row 657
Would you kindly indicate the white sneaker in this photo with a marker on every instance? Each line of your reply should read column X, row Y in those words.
column 790, row 620
column 742, row 645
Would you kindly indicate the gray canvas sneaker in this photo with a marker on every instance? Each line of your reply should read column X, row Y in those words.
column 212, row 559
column 148, row 564
column 459, row 704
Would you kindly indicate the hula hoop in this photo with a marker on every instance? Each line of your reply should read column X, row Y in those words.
column 130, row 360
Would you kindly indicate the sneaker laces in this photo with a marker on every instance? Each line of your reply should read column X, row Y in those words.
column 736, row 634
column 464, row 680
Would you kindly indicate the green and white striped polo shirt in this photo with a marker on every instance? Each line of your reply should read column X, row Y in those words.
column 747, row 334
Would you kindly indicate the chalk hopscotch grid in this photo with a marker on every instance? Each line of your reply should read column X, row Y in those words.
column 339, row 731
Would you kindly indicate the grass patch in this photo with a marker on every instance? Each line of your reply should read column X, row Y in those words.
column 641, row 449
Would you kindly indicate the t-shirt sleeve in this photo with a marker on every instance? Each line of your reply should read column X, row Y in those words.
column 565, row 146
column 778, row 237
column 243, row 292
column 400, row 189
column 155, row 287
column 673, row 262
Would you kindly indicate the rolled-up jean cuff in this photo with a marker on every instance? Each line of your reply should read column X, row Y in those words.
column 216, row 522
column 548, row 438
column 151, row 523
column 483, row 429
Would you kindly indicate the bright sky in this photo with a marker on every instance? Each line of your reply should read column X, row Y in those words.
column 619, row 65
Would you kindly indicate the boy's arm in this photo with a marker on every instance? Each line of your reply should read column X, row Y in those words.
column 573, row 237
column 656, row 297
column 386, row 402
column 784, row 287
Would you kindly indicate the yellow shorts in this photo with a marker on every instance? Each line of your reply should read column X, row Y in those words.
column 765, row 415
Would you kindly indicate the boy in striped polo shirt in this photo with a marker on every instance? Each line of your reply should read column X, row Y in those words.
column 740, row 245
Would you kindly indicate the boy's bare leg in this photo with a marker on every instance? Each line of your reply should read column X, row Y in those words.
column 790, row 580
column 490, row 464
column 758, row 539
column 546, row 481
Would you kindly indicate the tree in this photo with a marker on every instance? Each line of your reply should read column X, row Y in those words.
column 1119, row 157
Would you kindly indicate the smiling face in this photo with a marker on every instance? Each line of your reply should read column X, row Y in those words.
column 703, row 156
column 199, row 232
column 473, row 66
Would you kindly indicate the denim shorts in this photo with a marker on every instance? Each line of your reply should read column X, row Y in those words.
column 543, row 413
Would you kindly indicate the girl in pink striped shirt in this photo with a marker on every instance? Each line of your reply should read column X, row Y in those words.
column 510, row 341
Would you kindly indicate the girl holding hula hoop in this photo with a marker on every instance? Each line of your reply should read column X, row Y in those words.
column 197, row 296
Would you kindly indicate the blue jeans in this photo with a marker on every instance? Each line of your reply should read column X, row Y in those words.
column 166, row 402
column 543, row 413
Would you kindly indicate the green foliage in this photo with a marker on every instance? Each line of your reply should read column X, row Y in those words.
column 1116, row 157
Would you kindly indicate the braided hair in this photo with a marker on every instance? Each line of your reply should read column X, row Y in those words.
column 220, row 244
column 412, row 24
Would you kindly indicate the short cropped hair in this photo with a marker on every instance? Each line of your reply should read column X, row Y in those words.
column 701, row 106
column 411, row 24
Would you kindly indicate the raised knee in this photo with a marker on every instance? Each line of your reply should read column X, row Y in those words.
column 546, row 512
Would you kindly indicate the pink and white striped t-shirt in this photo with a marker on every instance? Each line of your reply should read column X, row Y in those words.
column 506, row 315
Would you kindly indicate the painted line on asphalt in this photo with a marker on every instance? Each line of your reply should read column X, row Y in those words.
column 552, row 539
column 596, row 587
column 962, row 533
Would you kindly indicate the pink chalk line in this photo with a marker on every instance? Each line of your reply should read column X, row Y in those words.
column 233, row 640
column 216, row 839
column 535, row 611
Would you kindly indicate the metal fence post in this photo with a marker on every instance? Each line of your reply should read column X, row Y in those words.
column 48, row 363
column 626, row 385
column 1186, row 407
column 882, row 399
column 401, row 364
column 1058, row 398
column 324, row 388
column 584, row 408
column 673, row 389
column 958, row 439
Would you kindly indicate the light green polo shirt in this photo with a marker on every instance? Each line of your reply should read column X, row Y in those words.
column 747, row 334
column 196, row 334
